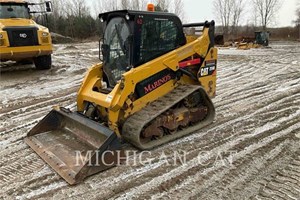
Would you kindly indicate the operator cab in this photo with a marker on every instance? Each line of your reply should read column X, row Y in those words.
column 132, row 38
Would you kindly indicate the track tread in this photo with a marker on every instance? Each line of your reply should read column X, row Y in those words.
column 135, row 123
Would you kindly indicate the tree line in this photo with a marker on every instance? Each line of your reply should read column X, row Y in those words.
column 78, row 19
column 230, row 13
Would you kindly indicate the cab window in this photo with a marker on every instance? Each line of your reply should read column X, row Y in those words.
column 157, row 37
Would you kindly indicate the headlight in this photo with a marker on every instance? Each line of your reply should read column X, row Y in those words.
column 44, row 34
column 1, row 36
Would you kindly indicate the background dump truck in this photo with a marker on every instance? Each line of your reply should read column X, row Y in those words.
column 21, row 38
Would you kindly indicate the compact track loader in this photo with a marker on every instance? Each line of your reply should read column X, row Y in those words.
column 153, row 86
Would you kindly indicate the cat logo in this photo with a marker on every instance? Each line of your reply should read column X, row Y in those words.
column 204, row 71
column 23, row 35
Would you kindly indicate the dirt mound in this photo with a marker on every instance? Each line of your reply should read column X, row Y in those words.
column 70, row 47
column 60, row 39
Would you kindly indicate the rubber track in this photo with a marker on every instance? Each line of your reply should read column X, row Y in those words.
column 135, row 123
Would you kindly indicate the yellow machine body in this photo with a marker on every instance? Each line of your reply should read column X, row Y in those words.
column 119, row 97
column 22, row 38
column 135, row 95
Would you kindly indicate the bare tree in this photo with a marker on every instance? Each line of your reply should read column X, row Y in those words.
column 254, row 17
column 79, row 8
column 179, row 9
column 229, row 13
column 297, row 21
column 58, row 8
column 298, row 12
column 223, row 10
column 237, row 10
column 163, row 5
column 57, row 12
column 266, row 10
column 68, row 8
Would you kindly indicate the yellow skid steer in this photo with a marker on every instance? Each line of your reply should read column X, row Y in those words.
column 154, row 84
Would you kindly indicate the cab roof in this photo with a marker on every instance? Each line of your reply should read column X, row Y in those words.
column 105, row 15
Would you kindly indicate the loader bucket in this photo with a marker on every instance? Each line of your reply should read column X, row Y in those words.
column 73, row 145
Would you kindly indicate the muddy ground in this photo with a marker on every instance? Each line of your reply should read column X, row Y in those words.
column 251, row 151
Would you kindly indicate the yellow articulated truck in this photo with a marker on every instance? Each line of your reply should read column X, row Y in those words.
column 21, row 38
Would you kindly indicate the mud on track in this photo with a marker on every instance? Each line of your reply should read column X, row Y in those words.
column 256, row 132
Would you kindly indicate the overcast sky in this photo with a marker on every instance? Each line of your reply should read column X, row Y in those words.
column 201, row 10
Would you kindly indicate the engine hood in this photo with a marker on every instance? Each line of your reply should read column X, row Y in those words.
column 20, row 22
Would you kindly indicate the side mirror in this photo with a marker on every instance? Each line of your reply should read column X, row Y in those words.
column 48, row 6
